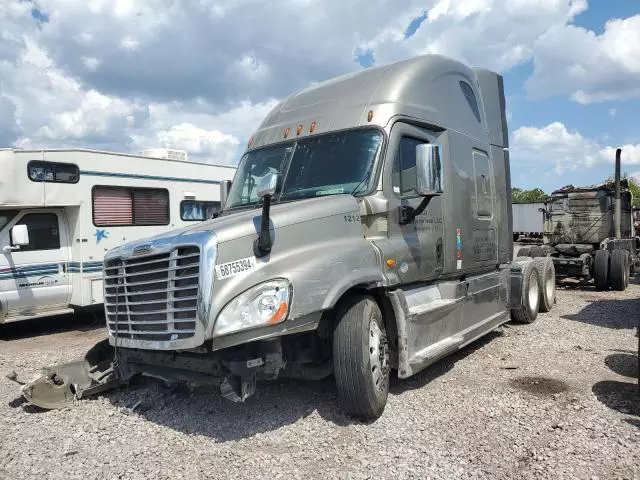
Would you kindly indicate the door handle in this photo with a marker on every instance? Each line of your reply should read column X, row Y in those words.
column 64, row 268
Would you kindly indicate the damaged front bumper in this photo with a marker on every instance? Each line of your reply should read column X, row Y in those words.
column 103, row 368
column 62, row 384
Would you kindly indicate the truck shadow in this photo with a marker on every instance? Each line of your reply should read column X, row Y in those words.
column 84, row 321
column 274, row 406
column 616, row 314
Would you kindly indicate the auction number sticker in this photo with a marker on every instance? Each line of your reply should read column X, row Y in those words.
column 231, row 269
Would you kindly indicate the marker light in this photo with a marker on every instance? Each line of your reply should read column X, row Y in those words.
column 391, row 262
column 299, row 131
column 286, row 132
column 312, row 127
column 370, row 116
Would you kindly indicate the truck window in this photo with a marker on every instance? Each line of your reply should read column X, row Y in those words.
column 41, row 171
column 332, row 164
column 328, row 164
column 126, row 206
column 404, row 167
column 43, row 229
column 197, row 210
column 471, row 99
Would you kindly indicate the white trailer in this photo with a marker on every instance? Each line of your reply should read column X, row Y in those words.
column 528, row 220
column 61, row 210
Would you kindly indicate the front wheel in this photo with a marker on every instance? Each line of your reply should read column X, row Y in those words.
column 361, row 358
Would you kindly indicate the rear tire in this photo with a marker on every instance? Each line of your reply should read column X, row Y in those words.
column 547, row 283
column 527, row 311
column 619, row 270
column 361, row 358
column 601, row 270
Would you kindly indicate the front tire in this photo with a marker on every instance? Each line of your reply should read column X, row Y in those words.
column 361, row 358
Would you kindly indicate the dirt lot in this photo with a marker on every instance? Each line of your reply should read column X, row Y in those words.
column 556, row 399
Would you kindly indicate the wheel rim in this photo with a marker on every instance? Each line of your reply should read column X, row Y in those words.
column 549, row 285
column 533, row 292
column 379, row 357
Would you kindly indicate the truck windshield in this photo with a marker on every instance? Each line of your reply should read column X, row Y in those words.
column 328, row 164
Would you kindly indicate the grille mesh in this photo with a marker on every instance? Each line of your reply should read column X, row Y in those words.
column 153, row 297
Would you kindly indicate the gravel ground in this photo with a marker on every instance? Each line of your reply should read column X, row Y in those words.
column 556, row 399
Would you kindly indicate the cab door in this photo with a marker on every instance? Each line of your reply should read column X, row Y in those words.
column 34, row 277
column 417, row 245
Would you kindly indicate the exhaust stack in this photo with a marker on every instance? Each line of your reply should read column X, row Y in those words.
column 616, row 212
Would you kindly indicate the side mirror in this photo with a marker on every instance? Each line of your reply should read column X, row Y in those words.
column 19, row 237
column 268, row 185
column 225, row 186
column 428, row 170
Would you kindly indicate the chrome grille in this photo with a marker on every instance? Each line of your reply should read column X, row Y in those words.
column 153, row 297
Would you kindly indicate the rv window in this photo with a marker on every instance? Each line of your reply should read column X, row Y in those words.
column 196, row 210
column 41, row 171
column 43, row 231
column 404, row 167
column 125, row 206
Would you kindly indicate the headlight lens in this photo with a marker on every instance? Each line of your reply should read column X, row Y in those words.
column 264, row 304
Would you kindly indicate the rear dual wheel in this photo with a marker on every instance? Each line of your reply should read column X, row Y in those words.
column 619, row 270
column 611, row 270
column 527, row 311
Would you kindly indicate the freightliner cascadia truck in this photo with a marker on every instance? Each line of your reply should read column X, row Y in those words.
column 366, row 233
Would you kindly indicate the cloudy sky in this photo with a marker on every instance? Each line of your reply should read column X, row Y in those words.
column 200, row 74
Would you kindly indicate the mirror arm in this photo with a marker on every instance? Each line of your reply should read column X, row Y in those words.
column 9, row 249
column 408, row 213
column 262, row 244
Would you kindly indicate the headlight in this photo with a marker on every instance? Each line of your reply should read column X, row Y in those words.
column 264, row 304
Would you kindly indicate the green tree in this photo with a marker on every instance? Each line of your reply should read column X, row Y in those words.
column 634, row 186
column 519, row 195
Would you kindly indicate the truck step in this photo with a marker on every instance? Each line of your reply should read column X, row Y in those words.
column 437, row 350
column 39, row 314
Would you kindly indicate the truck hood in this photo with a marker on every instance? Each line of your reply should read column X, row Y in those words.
column 245, row 223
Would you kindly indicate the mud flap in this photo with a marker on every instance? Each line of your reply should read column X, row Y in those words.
column 61, row 384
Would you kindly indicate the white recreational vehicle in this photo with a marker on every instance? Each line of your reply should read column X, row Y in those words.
column 61, row 210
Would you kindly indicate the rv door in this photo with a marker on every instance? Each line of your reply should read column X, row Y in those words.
column 33, row 263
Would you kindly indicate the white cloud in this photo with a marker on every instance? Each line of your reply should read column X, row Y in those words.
column 121, row 75
column 590, row 68
column 613, row 112
column 561, row 149
column 498, row 34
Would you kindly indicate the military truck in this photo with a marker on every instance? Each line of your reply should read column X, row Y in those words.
column 589, row 233
column 367, row 230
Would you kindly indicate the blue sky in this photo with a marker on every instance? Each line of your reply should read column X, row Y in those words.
column 128, row 75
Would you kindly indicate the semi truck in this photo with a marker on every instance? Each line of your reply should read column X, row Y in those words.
column 589, row 233
column 62, row 210
column 367, row 232
column 528, row 220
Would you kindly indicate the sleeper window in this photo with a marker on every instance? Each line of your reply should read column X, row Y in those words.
column 44, row 233
column 404, row 167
